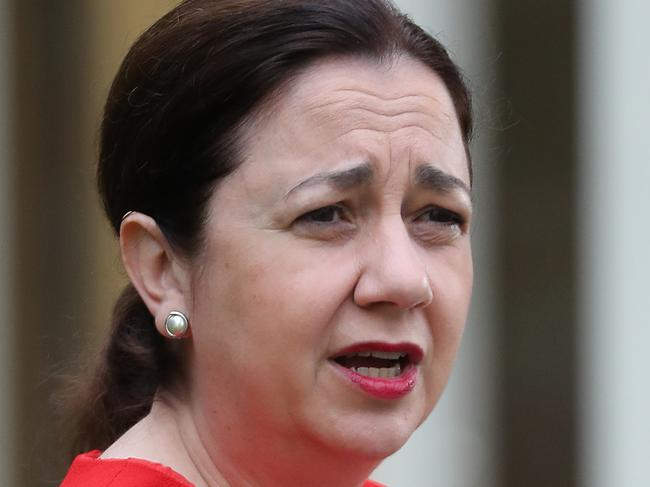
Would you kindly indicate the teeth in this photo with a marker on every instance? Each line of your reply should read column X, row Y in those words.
column 388, row 355
column 379, row 372
column 378, row 354
column 383, row 372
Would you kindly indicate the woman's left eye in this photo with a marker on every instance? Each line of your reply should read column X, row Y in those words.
column 440, row 215
column 438, row 226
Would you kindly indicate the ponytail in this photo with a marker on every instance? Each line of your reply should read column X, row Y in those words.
column 131, row 366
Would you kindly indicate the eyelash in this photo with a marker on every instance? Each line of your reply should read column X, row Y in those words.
column 309, row 216
column 445, row 217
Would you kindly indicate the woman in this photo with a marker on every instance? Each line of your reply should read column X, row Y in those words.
column 290, row 182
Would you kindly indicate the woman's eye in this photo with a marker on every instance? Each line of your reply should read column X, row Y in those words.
column 327, row 214
column 438, row 226
column 331, row 222
column 441, row 215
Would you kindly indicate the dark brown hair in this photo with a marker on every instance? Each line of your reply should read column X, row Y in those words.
column 171, row 130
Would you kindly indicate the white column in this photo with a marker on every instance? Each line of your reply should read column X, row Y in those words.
column 614, row 205
column 457, row 446
column 7, row 322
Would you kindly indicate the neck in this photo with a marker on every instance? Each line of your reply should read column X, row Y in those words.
column 232, row 458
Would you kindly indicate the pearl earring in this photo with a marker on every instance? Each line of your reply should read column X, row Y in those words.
column 176, row 325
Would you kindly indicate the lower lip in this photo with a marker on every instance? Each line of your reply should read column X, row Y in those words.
column 382, row 388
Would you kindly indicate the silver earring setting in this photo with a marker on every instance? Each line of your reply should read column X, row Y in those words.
column 176, row 325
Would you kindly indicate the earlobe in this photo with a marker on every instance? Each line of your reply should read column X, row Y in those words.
column 153, row 268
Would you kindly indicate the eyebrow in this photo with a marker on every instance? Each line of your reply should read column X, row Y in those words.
column 342, row 180
column 436, row 179
column 426, row 175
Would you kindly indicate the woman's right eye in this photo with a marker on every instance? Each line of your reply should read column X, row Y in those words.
column 330, row 222
column 327, row 214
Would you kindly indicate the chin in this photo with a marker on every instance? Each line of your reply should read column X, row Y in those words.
column 380, row 449
column 370, row 436
column 348, row 421
column 379, row 445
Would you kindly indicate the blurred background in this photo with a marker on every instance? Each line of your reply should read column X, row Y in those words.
column 552, row 385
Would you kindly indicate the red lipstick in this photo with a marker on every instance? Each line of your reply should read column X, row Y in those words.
column 396, row 363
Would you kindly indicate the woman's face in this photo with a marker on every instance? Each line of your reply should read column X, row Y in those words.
column 339, row 251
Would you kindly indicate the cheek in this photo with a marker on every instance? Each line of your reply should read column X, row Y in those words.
column 272, row 297
column 451, row 280
column 265, row 312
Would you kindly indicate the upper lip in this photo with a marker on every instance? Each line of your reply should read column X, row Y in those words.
column 414, row 352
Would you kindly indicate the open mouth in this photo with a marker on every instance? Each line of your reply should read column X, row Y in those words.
column 376, row 363
column 386, row 371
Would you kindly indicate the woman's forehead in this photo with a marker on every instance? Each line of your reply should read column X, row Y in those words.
column 339, row 89
column 356, row 108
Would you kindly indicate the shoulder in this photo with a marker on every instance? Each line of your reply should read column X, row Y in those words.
column 89, row 469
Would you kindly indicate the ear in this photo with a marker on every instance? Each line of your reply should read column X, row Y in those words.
column 159, row 276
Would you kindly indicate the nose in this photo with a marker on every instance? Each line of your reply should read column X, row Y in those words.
column 392, row 271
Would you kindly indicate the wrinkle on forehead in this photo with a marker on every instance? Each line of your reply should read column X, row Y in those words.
column 352, row 106
column 358, row 98
column 381, row 96
column 317, row 119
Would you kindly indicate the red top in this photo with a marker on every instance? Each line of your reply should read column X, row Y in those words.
column 90, row 470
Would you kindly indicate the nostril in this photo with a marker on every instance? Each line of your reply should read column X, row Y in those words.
column 399, row 293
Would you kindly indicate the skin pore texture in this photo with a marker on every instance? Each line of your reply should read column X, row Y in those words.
column 347, row 224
